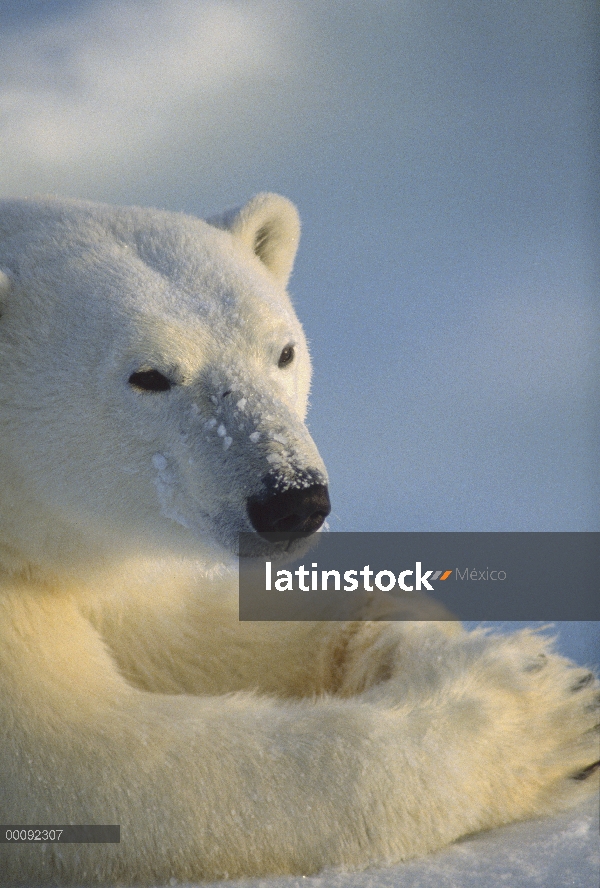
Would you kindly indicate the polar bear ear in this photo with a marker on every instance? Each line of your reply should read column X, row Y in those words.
column 270, row 226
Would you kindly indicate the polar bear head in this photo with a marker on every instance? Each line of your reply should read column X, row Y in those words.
column 154, row 382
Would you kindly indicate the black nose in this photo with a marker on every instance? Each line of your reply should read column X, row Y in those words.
column 298, row 510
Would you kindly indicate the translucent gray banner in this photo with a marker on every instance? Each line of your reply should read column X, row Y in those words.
column 421, row 576
column 65, row 833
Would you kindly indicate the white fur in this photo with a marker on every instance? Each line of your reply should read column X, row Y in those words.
column 343, row 744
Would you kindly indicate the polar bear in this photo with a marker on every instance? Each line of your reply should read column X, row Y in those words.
column 153, row 387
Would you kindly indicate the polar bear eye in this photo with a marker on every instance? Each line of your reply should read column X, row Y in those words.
column 150, row 381
column 286, row 356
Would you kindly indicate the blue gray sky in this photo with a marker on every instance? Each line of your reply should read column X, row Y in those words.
column 442, row 158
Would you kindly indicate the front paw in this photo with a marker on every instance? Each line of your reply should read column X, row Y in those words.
column 502, row 710
column 542, row 716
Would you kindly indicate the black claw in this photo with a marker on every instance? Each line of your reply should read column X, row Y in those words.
column 583, row 682
column 538, row 664
column 587, row 772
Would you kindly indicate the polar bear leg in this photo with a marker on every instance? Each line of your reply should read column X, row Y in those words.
column 204, row 787
column 157, row 636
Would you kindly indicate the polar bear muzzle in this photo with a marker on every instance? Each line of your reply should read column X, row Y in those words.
column 296, row 510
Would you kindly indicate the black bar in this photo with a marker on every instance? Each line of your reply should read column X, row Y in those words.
column 59, row 834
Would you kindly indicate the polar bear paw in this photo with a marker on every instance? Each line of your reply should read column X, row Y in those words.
column 579, row 717
column 541, row 723
column 514, row 726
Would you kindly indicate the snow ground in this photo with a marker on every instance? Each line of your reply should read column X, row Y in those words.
column 558, row 852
